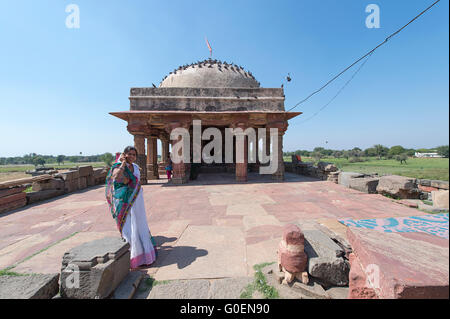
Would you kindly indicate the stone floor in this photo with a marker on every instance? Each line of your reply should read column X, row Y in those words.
column 209, row 228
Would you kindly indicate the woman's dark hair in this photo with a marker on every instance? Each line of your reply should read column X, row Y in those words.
column 130, row 148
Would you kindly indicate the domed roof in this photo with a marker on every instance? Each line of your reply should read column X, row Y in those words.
column 210, row 74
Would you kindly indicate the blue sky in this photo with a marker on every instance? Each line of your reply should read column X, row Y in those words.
column 57, row 85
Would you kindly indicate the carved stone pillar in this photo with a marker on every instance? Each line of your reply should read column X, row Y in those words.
column 164, row 149
column 281, row 127
column 137, row 126
column 180, row 175
column 241, row 154
column 152, row 158
column 139, row 143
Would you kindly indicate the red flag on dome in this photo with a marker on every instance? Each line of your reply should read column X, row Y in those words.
column 209, row 47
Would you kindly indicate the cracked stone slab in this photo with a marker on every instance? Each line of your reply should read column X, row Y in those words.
column 205, row 252
column 181, row 289
column 49, row 261
column 38, row 286
column 228, row 288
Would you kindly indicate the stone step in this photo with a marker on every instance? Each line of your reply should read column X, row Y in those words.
column 128, row 286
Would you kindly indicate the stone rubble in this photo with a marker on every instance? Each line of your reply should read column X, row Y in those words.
column 44, row 186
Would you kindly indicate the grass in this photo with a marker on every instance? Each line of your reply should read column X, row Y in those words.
column 7, row 272
column 260, row 284
column 150, row 282
column 422, row 168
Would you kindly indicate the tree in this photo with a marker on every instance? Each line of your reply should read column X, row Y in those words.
column 108, row 158
column 370, row 152
column 38, row 160
column 410, row 152
column 380, row 150
column 60, row 159
column 337, row 154
column 442, row 150
column 396, row 150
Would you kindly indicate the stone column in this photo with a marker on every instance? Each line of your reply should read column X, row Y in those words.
column 179, row 169
column 281, row 129
column 257, row 148
column 152, row 158
column 141, row 161
column 164, row 149
column 241, row 168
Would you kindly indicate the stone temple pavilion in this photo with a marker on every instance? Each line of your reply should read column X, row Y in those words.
column 221, row 95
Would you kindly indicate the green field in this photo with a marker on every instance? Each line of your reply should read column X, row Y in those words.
column 426, row 168
column 29, row 167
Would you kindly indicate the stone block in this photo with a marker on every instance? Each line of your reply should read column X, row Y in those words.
column 424, row 182
column 101, row 265
column 427, row 189
column 85, row 171
column 29, row 287
column 48, row 184
column 13, row 205
column 12, row 198
column 128, row 286
column 11, row 191
column 366, row 184
column 69, row 175
column 71, row 186
column 359, row 287
column 325, row 259
column 33, row 197
column 82, row 182
column 90, row 180
column 398, row 186
column 440, row 199
column 439, row 184
column 99, row 171
column 401, row 265
column 327, row 167
column 345, row 177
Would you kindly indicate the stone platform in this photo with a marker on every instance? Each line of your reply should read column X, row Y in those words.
column 210, row 228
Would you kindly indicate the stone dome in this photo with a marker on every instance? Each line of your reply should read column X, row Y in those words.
column 210, row 74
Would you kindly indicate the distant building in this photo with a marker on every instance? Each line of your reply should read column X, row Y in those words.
column 417, row 154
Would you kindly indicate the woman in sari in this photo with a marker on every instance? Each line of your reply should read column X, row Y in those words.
column 125, row 199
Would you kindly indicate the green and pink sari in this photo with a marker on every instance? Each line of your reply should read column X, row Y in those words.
column 120, row 196
column 126, row 202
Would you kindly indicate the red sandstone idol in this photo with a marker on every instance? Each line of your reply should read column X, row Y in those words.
column 292, row 259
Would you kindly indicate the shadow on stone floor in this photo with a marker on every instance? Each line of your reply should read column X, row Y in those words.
column 183, row 256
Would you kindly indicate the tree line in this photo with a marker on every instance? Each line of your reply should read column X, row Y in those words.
column 380, row 151
column 38, row 159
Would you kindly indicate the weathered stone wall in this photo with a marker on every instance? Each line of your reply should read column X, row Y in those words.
column 323, row 171
column 206, row 99
column 58, row 184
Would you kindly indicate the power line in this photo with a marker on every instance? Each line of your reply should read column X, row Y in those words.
column 340, row 90
column 365, row 55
